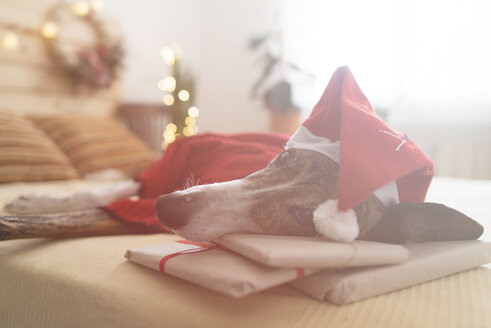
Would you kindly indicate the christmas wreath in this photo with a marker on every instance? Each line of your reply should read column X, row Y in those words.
column 84, row 44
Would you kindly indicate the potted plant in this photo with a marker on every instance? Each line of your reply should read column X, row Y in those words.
column 275, row 84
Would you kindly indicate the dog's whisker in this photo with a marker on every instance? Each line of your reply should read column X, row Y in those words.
column 190, row 182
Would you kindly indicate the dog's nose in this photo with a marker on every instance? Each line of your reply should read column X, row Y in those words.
column 173, row 210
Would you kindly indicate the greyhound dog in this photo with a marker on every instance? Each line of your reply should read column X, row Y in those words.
column 281, row 199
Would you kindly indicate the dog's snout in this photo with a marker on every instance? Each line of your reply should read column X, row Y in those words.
column 173, row 210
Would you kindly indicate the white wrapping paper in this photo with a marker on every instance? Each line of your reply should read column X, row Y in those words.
column 426, row 262
column 312, row 252
column 214, row 268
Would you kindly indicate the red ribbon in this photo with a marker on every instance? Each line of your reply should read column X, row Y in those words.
column 206, row 247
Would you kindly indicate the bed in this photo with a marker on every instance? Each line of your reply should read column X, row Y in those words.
column 86, row 282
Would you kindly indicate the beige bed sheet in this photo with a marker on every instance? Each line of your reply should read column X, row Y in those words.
column 86, row 282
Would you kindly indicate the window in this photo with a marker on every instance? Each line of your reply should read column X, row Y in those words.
column 429, row 59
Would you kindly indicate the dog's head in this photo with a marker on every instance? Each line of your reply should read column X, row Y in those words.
column 280, row 199
column 283, row 198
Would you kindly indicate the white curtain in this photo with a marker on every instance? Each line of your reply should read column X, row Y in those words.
column 421, row 59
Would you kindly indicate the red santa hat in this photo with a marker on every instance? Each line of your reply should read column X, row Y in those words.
column 372, row 157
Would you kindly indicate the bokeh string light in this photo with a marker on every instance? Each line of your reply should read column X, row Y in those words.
column 178, row 89
column 10, row 40
column 49, row 30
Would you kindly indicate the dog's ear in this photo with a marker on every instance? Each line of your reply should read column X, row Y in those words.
column 422, row 222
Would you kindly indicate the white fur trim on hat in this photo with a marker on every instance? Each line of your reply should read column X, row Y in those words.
column 336, row 225
column 304, row 139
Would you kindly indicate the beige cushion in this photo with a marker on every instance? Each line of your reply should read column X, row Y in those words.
column 93, row 143
column 28, row 154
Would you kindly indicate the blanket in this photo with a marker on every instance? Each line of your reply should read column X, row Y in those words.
column 201, row 159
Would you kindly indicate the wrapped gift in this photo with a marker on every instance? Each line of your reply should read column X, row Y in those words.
column 220, row 269
column 213, row 267
column 427, row 261
column 312, row 252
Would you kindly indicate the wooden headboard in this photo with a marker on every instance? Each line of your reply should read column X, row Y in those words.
column 30, row 80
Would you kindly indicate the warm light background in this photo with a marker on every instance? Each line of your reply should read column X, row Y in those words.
column 425, row 65
column 420, row 60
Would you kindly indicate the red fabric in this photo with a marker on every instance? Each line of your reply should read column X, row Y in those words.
column 205, row 158
column 368, row 156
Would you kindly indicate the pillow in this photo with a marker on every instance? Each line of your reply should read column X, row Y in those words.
column 27, row 153
column 94, row 143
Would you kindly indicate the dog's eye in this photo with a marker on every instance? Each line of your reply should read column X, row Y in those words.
column 285, row 157
column 304, row 216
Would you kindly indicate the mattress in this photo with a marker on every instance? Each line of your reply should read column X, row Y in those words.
column 86, row 282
